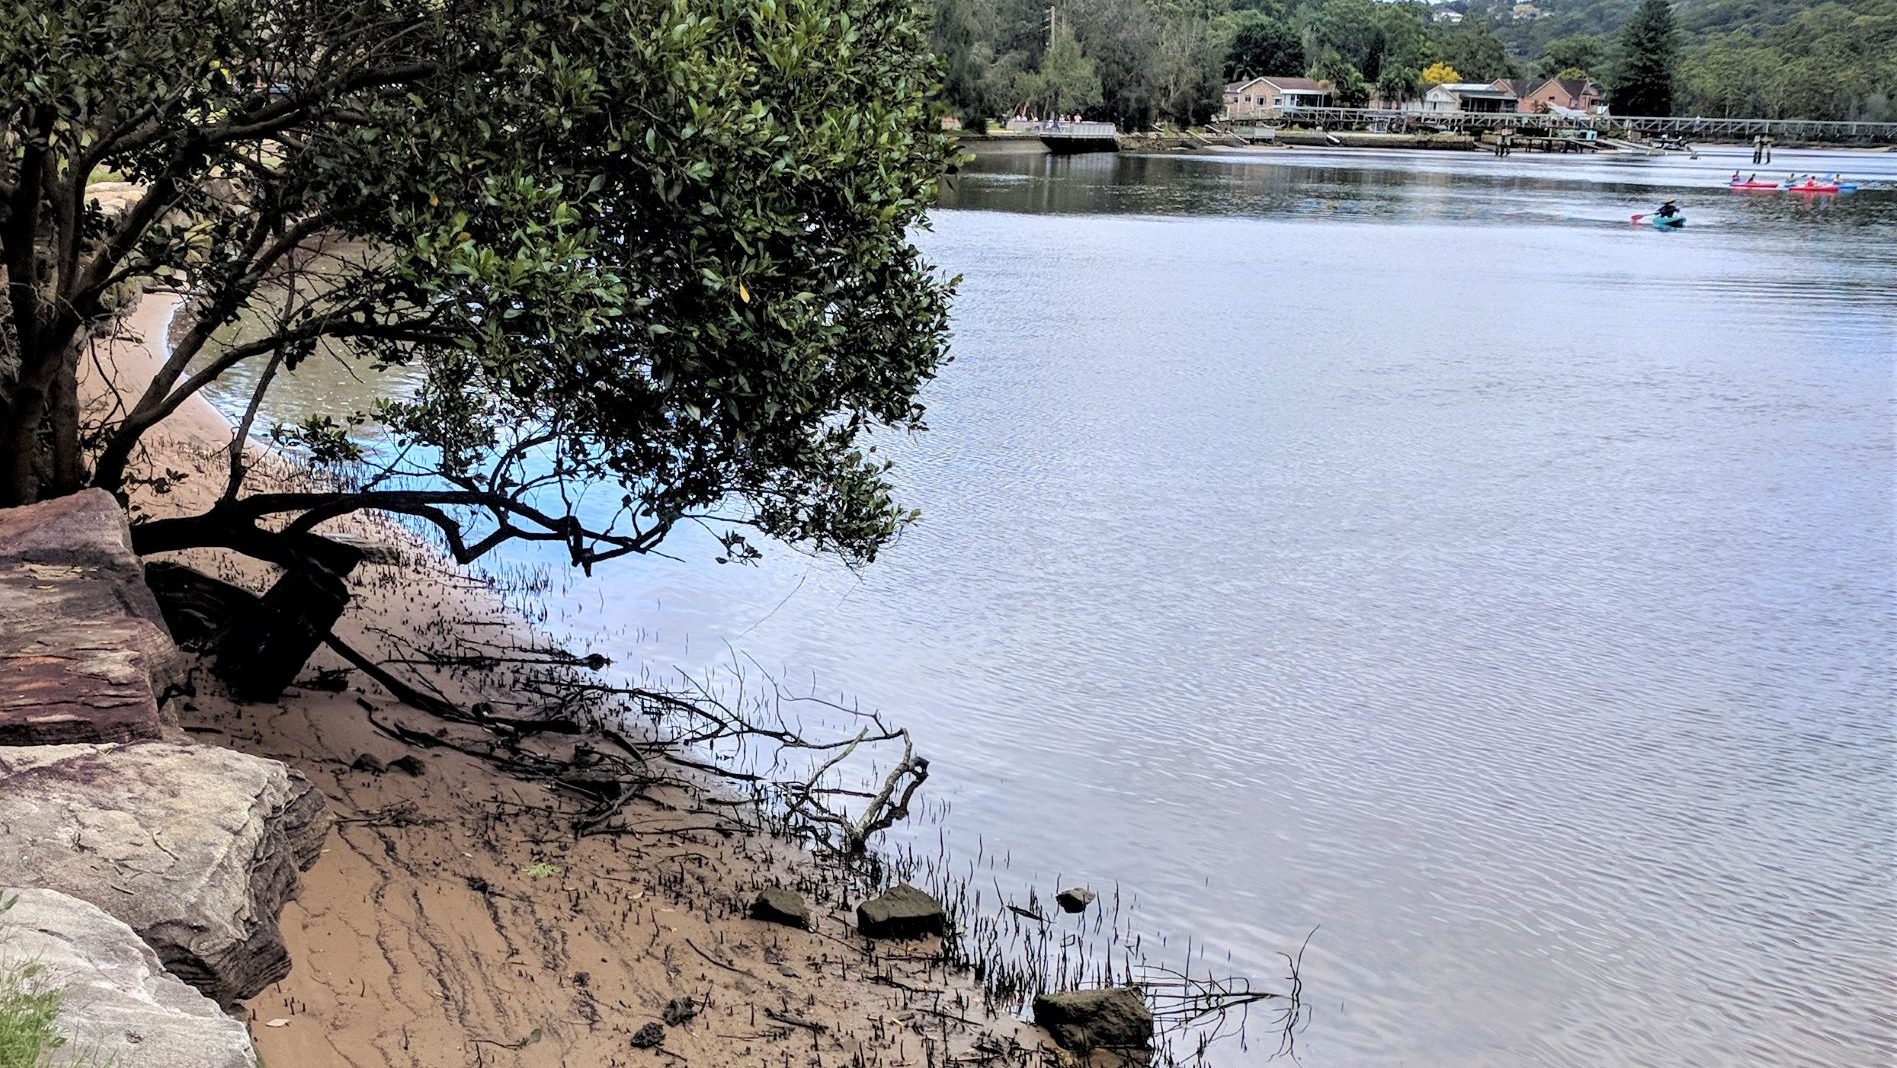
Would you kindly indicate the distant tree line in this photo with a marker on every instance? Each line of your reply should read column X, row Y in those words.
column 1832, row 61
column 1140, row 62
column 1776, row 59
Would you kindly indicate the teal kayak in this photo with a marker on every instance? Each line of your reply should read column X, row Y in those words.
column 1668, row 222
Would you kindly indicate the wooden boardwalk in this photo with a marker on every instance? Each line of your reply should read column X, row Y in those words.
column 1729, row 129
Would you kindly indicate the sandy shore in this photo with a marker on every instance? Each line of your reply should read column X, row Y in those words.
column 455, row 918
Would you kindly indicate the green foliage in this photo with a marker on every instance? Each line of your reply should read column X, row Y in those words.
column 1067, row 82
column 1398, row 84
column 654, row 245
column 1781, row 58
column 1471, row 48
column 28, row 1037
column 1120, row 41
column 1348, row 87
column 1835, row 60
column 1261, row 46
column 1649, row 53
column 1575, row 54
column 1764, row 58
column 1350, row 29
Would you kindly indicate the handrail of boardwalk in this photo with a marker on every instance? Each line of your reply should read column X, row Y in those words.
column 1073, row 129
column 1696, row 126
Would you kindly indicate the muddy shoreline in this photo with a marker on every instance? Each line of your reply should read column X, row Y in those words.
column 454, row 917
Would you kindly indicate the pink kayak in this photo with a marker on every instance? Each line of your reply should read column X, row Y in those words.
column 1753, row 185
column 1812, row 187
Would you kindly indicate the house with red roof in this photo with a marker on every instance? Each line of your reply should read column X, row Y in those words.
column 1572, row 94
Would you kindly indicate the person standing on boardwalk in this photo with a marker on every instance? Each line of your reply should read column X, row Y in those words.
column 1758, row 148
column 1768, row 148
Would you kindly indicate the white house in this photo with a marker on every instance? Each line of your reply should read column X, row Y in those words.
column 1469, row 96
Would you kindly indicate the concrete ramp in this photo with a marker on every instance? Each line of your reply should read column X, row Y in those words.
column 1631, row 146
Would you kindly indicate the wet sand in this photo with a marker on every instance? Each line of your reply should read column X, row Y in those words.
column 456, row 919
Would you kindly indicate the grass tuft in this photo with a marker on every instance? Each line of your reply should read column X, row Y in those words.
column 28, row 1010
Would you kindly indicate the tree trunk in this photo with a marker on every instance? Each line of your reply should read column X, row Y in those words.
column 62, row 418
column 39, row 458
column 20, row 459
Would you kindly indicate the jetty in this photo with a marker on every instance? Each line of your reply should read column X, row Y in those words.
column 1555, row 124
column 1066, row 138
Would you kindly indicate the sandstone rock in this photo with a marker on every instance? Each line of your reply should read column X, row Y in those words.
column 83, row 649
column 195, row 847
column 81, row 685
column 902, row 911
column 118, row 1005
column 775, row 904
column 1084, row 1020
column 1074, row 899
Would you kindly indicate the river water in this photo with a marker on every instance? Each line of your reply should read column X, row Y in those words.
column 1407, row 549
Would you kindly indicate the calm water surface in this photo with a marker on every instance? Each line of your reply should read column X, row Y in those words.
column 1404, row 546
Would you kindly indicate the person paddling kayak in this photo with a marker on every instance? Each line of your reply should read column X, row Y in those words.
column 1667, row 217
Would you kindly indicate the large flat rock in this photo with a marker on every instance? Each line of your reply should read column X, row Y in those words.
column 83, row 648
column 196, row 847
column 118, row 1005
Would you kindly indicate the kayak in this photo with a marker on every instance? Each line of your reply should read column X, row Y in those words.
column 1668, row 222
column 1813, row 187
column 1753, row 185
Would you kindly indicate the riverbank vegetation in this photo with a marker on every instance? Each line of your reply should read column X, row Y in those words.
column 648, row 262
column 1139, row 62
column 1166, row 61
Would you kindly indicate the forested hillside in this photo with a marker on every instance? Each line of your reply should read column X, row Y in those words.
column 1768, row 58
column 1138, row 62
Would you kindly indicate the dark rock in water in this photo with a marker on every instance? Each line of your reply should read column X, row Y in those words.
column 408, row 765
column 679, row 1010
column 1086, row 1020
column 264, row 650
column 775, row 904
column 1074, row 899
column 650, row 1036
column 901, row 912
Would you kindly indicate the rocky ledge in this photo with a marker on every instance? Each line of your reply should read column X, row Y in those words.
column 147, row 863
column 118, row 1004
column 196, row 847
column 84, row 654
